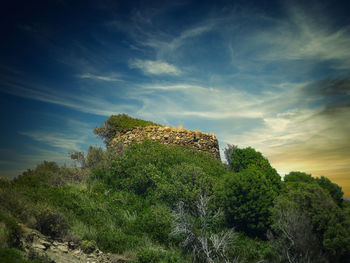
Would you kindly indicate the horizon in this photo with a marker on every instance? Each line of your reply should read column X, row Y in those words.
column 273, row 75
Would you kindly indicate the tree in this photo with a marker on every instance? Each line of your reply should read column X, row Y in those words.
column 228, row 152
column 292, row 234
column 297, row 177
column 241, row 159
column 196, row 228
column 332, row 188
column 315, row 207
column 246, row 198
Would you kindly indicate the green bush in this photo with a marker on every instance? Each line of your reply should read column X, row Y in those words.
column 329, row 223
column 241, row 159
column 10, row 231
column 119, row 123
column 157, row 222
column 14, row 256
column 250, row 249
column 50, row 222
column 88, row 246
column 169, row 173
column 246, row 198
column 149, row 255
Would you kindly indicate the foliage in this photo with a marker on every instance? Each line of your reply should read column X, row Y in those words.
column 333, row 189
column 10, row 231
column 293, row 234
column 318, row 215
column 252, row 250
column 14, row 256
column 151, row 255
column 50, row 222
column 246, row 198
column 298, row 177
column 119, row 123
column 88, row 246
column 156, row 221
column 130, row 200
column 241, row 159
column 169, row 173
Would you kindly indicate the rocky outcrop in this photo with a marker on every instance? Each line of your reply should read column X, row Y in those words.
column 172, row 136
column 40, row 247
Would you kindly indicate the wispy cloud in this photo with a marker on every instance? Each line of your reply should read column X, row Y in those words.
column 150, row 67
column 82, row 102
column 110, row 77
column 303, row 35
column 57, row 140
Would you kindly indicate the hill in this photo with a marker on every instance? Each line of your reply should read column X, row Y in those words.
column 153, row 202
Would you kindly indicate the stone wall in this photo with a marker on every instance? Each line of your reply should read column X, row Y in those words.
column 172, row 136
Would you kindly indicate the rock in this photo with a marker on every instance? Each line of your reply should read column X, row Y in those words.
column 38, row 246
column 63, row 248
column 172, row 136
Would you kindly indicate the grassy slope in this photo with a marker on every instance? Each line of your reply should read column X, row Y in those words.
column 108, row 208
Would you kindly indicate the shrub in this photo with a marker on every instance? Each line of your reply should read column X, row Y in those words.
column 241, row 159
column 150, row 255
column 119, row 123
column 50, row 222
column 169, row 173
column 10, row 231
column 246, row 198
column 14, row 256
column 156, row 221
column 88, row 246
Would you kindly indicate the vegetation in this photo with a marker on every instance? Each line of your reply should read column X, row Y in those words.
column 164, row 203
column 120, row 123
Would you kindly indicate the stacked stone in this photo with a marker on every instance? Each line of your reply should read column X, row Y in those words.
column 45, row 249
column 172, row 136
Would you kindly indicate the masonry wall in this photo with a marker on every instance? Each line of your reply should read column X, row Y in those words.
column 173, row 136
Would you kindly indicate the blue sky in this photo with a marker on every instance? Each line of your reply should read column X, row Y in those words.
column 274, row 75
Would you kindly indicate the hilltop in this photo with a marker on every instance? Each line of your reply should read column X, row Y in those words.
column 151, row 199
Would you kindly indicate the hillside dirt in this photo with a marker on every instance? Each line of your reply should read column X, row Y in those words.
column 38, row 246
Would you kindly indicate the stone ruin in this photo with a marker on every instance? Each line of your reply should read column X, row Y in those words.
column 171, row 136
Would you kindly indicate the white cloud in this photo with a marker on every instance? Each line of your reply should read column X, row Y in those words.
column 154, row 67
column 111, row 77
column 57, row 140
column 302, row 36
column 81, row 102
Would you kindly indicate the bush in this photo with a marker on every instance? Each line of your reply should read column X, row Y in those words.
column 156, row 221
column 169, row 173
column 251, row 250
column 119, row 123
column 88, row 246
column 50, row 222
column 246, row 198
column 10, row 231
column 149, row 255
column 14, row 256
column 326, row 220
column 241, row 159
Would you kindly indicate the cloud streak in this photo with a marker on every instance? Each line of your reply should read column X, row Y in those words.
column 108, row 78
column 150, row 67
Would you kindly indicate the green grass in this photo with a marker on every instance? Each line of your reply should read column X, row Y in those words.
column 14, row 256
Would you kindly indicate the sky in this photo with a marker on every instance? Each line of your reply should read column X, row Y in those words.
column 273, row 75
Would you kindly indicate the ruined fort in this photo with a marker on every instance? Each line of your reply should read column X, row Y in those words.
column 171, row 136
